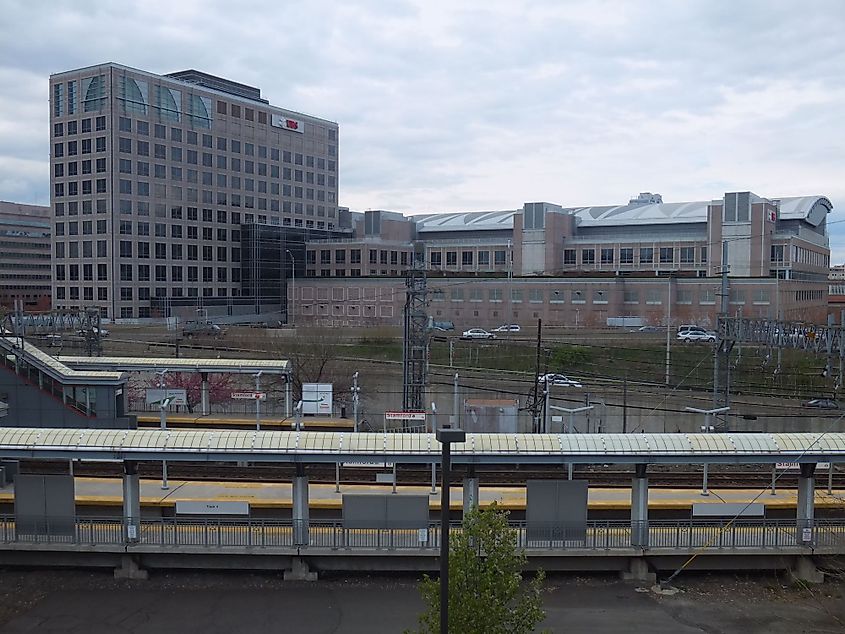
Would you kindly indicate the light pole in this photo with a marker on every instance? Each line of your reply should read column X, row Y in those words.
column 446, row 436
column 163, row 404
column 292, row 313
column 571, row 411
column 706, row 428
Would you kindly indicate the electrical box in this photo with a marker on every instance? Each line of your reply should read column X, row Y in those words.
column 317, row 398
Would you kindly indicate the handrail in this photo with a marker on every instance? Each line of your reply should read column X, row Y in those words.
column 597, row 535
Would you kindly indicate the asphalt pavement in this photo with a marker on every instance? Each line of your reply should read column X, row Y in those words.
column 93, row 603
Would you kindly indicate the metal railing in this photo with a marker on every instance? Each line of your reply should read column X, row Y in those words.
column 248, row 533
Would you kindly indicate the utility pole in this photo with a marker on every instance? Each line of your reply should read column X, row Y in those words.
column 456, row 416
column 547, row 396
column 535, row 403
column 355, row 391
column 625, row 404
column 668, row 325
column 291, row 317
column 722, row 347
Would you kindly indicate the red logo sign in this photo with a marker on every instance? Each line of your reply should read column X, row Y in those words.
column 291, row 124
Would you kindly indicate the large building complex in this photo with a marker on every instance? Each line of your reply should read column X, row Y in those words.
column 152, row 177
column 25, row 255
column 581, row 265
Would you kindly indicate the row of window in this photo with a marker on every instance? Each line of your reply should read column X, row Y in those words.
column 375, row 256
column 88, row 248
column 666, row 255
column 83, row 146
column 146, row 273
column 74, row 127
column 468, row 258
column 73, row 188
column 71, row 168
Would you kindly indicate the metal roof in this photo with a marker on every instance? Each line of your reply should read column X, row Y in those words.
column 812, row 209
column 153, row 364
column 465, row 221
column 314, row 447
column 58, row 370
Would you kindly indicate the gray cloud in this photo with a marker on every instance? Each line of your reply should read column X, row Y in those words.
column 484, row 105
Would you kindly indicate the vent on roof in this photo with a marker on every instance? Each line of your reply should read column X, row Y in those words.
column 646, row 198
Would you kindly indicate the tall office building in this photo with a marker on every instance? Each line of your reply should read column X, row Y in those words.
column 152, row 177
column 24, row 255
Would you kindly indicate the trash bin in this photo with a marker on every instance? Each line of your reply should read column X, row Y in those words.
column 343, row 411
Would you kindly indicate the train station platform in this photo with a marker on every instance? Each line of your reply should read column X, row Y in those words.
column 197, row 421
column 107, row 492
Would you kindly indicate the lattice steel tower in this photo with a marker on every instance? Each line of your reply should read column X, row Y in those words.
column 415, row 341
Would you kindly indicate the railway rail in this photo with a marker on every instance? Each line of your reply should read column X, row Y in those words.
column 659, row 476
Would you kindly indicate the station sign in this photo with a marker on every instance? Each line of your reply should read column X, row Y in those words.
column 177, row 396
column 794, row 466
column 417, row 416
column 249, row 396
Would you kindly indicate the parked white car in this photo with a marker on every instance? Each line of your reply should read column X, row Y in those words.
column 508, row 328
column 477, row 333
column 560, row 380
column 697, row 334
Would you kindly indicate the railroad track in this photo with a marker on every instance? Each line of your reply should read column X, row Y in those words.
column 659, row 476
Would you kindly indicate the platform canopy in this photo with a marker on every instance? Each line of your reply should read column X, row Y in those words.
column 157, row 364
column 314, row 447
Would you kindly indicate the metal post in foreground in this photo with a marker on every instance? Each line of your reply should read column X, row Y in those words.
column 446, row 436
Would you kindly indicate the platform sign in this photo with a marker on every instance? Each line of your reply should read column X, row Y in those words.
column 415, row 416
column 177, row 396
column 795, row 466
column 249, row 396
column 195, row 507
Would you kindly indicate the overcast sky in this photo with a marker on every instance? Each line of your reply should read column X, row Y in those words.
column 458, row 106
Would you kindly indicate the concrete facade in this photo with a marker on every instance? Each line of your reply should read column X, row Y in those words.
column 152, row 177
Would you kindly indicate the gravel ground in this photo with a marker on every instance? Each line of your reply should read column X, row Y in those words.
column 93, row 602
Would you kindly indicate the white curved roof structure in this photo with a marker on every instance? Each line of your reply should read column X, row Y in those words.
column 812, row 209
column 314, row 447
column 465, row 221
column 659, row 213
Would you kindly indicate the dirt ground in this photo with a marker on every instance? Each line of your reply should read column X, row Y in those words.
column 93, row 602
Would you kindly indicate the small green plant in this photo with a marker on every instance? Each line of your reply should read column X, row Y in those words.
column 487, row 594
